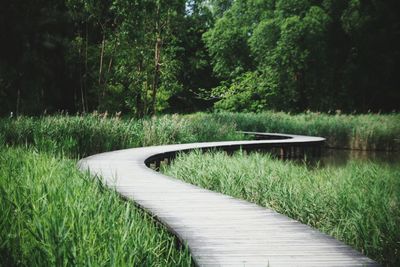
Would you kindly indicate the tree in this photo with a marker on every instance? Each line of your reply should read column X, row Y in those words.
column 32, row 66
column 306, row 54
column 146, row 44
column 195, row 75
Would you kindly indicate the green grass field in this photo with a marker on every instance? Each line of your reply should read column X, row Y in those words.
column 358, row 203
column 54, row 215
column 78, row 136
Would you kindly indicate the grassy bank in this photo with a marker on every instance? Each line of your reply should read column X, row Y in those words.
column 53, row 215
column 85, row 135
column 90, row 134
column 358, row 204
column 364, row 132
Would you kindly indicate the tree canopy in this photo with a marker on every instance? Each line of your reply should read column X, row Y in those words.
column 142, row 57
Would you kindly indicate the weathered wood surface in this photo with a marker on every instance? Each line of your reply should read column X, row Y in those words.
column 220, row 230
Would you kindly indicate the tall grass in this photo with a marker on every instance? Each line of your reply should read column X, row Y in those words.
column 71, row 135
column 364, row 132
column 79, row 136
column 358, row 203
column 90, row 134
column 199, row 127
column 54, row 215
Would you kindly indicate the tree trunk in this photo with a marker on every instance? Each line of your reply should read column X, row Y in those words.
column 81, row 79
column 156, row 74
column 103, row 42
column 110, row 62
column 83, row 92
column 157, row 52
column 140, row 104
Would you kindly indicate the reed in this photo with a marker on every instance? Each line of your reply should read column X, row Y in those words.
column 361, row 131
column 54, row 215
column 78, row 136
column 358, row 203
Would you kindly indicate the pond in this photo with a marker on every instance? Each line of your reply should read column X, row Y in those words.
column 340, row 157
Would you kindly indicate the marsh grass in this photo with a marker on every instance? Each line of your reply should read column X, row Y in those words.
column 362, row 131
column 51, row 214
column 54, row 215
column 358, row 203
column 79, row 136
column 199, row 127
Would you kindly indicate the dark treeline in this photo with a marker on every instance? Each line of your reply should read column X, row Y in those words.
column 142, row 57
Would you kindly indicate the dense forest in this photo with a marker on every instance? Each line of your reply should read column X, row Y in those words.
column 142, row 57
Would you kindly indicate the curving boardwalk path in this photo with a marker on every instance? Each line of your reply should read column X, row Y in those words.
column 221, row 230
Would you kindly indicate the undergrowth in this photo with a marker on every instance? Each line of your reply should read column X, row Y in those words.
column 358, row 203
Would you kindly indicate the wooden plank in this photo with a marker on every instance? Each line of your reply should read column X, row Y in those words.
column 221, row 230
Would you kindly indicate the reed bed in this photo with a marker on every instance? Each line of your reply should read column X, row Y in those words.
column 358, row 203
column 54, row 215
column 361, row 131
column 78, row 136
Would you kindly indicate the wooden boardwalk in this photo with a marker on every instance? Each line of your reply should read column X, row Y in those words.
column 221, row 230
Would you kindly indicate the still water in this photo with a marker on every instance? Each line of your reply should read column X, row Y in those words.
column 340, row 157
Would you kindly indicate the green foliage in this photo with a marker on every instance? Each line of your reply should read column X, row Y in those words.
column 358, row 204
column 283, row 42
column 245, row 93
column 83, row 55
column 226, row 41
column 153, row 56
column 304, row 54
column 137, row 69
column 195, row 73
column 54, row 215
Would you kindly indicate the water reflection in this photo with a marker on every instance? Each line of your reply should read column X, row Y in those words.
column 340, row 157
